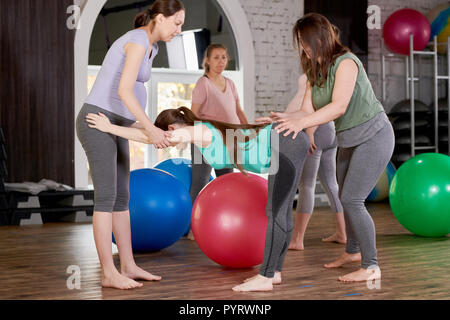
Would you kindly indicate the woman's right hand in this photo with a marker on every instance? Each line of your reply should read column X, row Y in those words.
column 98, row 121
column 159, row 138
column 312, row 146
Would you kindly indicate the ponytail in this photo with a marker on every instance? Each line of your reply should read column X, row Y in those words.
column 142, row 19
column 165, row 7
column 188, row 116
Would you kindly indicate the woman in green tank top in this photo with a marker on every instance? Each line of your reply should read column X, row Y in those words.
column 338, row 89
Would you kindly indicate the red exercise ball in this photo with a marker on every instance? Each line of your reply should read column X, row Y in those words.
column 229, row 220
column 400, row 25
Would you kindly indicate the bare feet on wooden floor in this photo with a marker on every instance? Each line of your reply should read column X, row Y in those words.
column 296, row 244
column 136, row 273
column 362, row 275
column 258, row 283
column 344, row 259
column 275, row 280
column 335, row 238
column 118, row 281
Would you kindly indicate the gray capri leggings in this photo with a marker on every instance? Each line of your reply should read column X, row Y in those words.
column 358, row 171
column 201, row 172
column 109, row 161
column 282, row 186
column 323, row 162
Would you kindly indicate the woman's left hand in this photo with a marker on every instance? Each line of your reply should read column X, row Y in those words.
column 263, row 120
column 174, row 140
column 278, row 116
column 291, row 125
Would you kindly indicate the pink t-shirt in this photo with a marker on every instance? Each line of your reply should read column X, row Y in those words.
column 215, row 104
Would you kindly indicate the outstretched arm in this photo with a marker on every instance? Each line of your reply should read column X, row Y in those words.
column 344, row 86
column 299, row 107
column 297, row 101
column 303, row 100
column 183, row 135
column 101, row 122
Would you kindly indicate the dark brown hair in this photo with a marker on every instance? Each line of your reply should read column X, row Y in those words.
column 337, row 32
column 322, row 38
column 208, row 53
column 185, row 116
column 166, row 7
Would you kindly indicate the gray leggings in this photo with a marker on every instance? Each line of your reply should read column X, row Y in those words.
column 109, row 161
column 322, row 162
column 282, row 186
column 358, row 171
column 201, row 172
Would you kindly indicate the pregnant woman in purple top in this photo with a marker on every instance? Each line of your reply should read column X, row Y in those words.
column 119, row 93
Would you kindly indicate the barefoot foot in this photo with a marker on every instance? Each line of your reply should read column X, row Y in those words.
column 344, row 259
column 190, row 235
column 135, row 272
column 118, row 281
column 275, row 280
column 259, row 283
column 335, row 238
column 362, row 275
column 296, row 244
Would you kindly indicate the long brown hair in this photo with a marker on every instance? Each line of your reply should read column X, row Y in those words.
column 322, row 38
column 185, row 116
column 166, row 7
column 208, row 53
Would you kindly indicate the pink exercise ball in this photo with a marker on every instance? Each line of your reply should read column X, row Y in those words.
column 229, row 220
column 400, row 25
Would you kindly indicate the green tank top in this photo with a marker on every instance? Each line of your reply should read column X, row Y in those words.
column 363, row 105
column 254, row 154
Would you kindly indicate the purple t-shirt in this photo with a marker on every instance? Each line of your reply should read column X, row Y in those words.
column 104, row 93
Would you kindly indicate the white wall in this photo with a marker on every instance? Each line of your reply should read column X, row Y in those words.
column 277, row 63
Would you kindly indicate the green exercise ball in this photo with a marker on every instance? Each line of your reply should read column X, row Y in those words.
column 420, row 195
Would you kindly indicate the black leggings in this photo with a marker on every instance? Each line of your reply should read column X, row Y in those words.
column 109, row 161
column 201, row 172
column 285, row 172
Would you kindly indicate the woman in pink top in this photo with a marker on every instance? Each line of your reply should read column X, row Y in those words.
column 215, row 97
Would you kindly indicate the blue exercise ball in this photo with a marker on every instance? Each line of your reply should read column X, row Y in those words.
column 181, row 168
column 160, row 209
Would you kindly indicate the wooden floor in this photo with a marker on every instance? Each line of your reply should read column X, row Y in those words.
column 34, row 262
